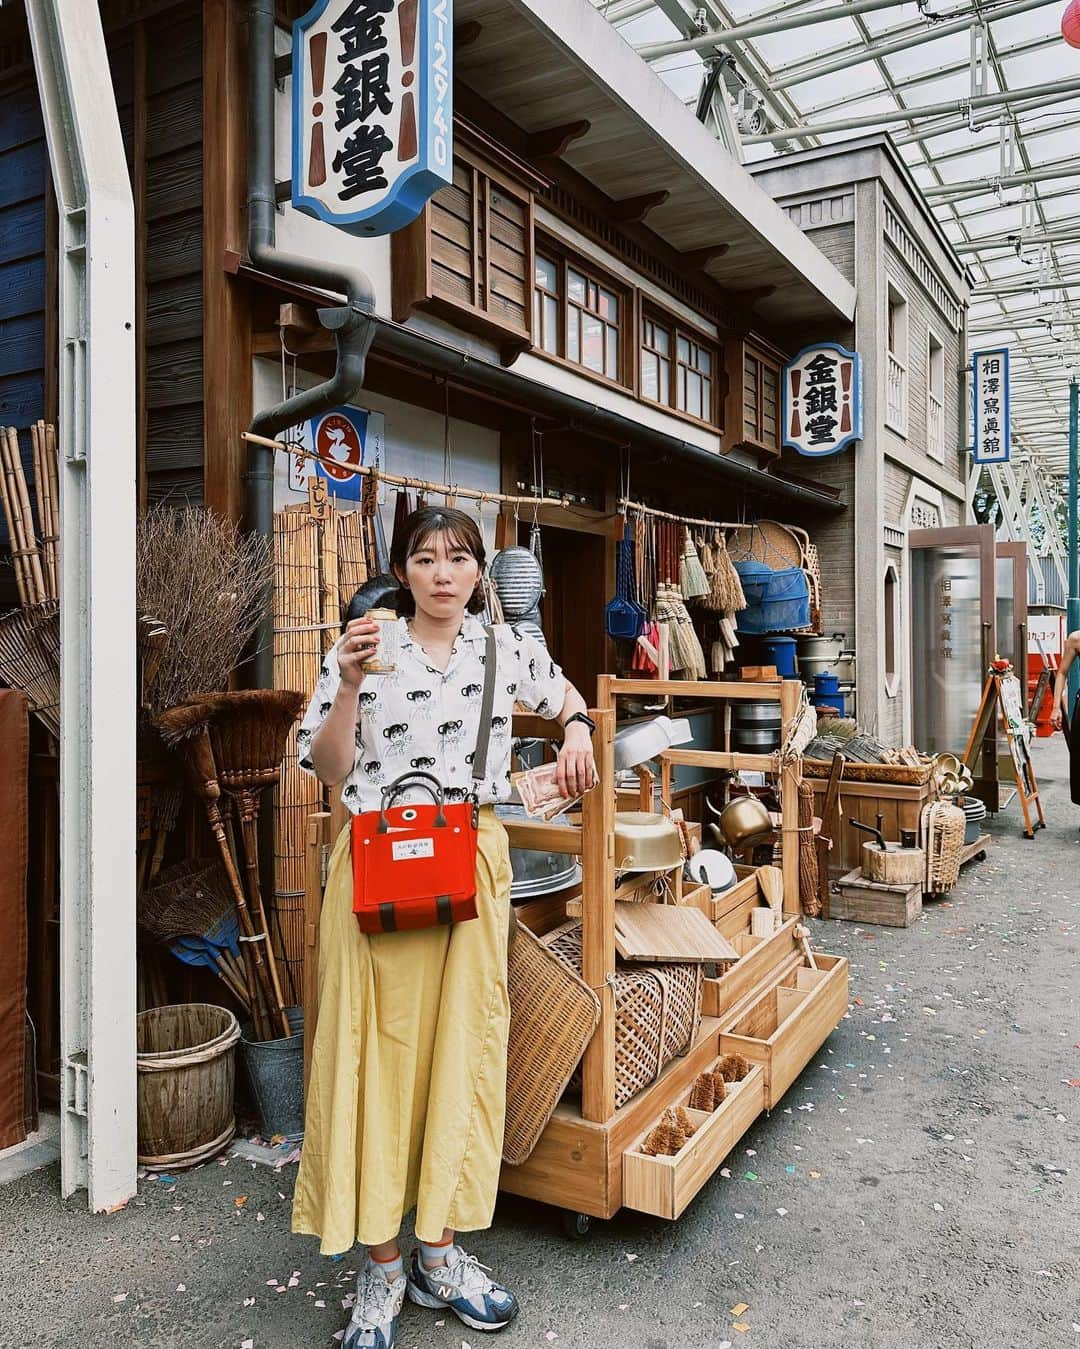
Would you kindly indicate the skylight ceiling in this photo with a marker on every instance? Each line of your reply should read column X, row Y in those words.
column 1021, row 240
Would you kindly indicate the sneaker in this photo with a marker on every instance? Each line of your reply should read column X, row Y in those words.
column 373, row 1324
column 463, row 1286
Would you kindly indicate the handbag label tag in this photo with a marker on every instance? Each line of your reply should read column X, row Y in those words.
column 409, row 848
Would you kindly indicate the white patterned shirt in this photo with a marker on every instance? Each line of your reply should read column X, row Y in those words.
column 420, row 719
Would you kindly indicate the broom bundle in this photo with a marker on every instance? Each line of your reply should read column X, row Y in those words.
column 192, row 900
column 684, row 648
column 208, row 585
column 693, row 583
column 725, row 588
column 234, row 742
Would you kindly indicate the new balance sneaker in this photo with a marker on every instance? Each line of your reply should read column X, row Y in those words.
column 462, row 1284
column 374, row 1320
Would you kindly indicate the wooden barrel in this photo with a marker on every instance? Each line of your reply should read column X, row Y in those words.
column 187, row 1068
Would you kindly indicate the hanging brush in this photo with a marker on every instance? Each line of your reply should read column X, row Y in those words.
column 191, row 901
column 693, row 582
column 726, row 593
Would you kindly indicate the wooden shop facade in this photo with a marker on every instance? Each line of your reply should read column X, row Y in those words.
column 598, row 308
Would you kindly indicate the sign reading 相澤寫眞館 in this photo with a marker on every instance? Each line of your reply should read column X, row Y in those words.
column 821, row 397
column 992, row 443
column 372, row 111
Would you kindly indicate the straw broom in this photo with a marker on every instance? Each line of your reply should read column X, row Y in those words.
column 186, row 728
column 693, row 583
column 190, row 900
column 246, row 734
column 809, row 901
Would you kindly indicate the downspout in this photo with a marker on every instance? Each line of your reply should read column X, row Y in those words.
column 351, row 323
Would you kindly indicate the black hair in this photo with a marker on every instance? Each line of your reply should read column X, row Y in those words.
column 415, row 533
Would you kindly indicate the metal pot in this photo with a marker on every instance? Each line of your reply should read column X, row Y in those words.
column 756, row 714
column 645, row 842
column 826, row 655
column 755, row 739
column 745, row 822
column 537, row 873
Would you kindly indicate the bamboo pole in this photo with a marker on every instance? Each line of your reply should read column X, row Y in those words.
column 21, row 521
column 639, row 508
column 447, row 490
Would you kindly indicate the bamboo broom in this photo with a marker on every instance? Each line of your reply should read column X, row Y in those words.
column 186, row 728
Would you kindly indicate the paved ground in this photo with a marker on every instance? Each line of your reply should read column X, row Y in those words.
column 917, row 1191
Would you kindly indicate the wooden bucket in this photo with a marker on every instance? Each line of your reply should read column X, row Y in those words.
column 187, row 1067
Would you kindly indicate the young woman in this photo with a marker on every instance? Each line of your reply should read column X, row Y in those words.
column 408, row 1083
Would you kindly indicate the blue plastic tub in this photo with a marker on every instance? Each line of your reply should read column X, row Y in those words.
column 780, row 651
column 826, row 684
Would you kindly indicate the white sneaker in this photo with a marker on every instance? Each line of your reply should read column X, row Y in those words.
column 373, row 1324
column 463, row 1286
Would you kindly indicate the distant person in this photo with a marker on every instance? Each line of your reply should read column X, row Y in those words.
column 1060, row 718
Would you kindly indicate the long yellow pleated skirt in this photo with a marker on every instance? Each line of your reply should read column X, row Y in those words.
column 407, row 1098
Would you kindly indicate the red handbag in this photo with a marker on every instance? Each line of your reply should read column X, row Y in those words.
column 414, row 866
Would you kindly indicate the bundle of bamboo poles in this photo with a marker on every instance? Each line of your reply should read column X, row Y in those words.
column 30, row 635
column 319, row 563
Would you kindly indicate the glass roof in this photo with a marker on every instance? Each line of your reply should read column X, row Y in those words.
column 1002, row 178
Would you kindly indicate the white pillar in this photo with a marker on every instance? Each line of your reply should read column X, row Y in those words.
column 97, row 677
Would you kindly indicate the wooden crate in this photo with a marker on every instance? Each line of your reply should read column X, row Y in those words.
column 664, row 1186
column 901, row 807
column 785, row 1025
column 862, row 901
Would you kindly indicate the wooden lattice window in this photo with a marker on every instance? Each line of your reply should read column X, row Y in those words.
column 469, row 255
column 678, row 368
column 753, row 403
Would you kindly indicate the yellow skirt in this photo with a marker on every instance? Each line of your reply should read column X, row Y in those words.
column 407, row 1099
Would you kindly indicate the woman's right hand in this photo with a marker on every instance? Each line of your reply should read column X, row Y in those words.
column 358, row 644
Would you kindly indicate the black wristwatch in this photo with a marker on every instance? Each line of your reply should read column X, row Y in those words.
column 585, row 721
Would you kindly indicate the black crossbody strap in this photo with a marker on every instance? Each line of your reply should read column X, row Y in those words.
column 487, row 703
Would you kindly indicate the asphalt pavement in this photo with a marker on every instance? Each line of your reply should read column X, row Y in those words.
column 916, row 1189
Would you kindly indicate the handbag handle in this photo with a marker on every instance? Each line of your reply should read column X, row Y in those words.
column 424, row 781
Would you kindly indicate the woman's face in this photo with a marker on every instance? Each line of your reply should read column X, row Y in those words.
column 442, row 577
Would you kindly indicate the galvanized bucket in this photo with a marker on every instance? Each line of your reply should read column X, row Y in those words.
column 275, row 1072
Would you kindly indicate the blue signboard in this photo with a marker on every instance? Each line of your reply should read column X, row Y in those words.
column 992, row 419
column 372, row 104
column 821, row 400
column 344, row 439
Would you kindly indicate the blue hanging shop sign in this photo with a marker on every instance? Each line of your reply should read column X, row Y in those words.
column 344, row 439
column 992, row 442
column 372, row 111
column 821, row 400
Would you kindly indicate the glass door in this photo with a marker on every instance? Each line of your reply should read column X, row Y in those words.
column 953, row 626
column 1010, row 608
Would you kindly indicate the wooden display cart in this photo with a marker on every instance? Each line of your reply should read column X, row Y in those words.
column 769, row 1006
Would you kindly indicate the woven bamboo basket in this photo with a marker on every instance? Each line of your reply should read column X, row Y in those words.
column 657, row 1013
column 553, row 1014
column 943, row 828
column 900, row 774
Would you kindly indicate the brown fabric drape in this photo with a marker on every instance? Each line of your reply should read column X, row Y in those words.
column 14, row 736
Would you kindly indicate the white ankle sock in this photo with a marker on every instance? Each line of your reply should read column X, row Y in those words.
column 434, row 1256
column 390, row 1269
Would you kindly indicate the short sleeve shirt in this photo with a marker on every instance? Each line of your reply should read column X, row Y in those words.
column 418, row 718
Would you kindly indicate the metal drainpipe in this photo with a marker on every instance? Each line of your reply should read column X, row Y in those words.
column 351, row 323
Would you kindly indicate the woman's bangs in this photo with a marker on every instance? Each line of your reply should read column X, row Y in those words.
column 455, row 539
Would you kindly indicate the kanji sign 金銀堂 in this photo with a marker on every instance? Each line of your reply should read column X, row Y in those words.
column 822, row 399
column 992, row 441
column 372, row 110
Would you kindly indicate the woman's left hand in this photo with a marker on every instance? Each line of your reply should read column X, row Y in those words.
column 575, row 770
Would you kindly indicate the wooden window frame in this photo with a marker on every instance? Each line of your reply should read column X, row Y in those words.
column 413, row 282
column 735, row 353
column 554, row 250
column 677, row 328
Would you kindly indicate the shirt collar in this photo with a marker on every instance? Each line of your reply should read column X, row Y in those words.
column 472, row 630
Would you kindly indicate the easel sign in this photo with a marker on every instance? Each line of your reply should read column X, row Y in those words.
column 1002, row 692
